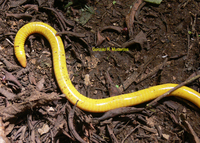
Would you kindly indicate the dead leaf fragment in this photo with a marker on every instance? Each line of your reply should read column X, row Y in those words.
column 114, row 28
column 40, row 85
column 140, row 38
column 45, row 129
column 151, row 121
column 92, row 62
column 3, row 138
column 130, row 17
column 100, row 39
column 31, row 6
column 166, row 136
column 32, row 78
column 16, row 3
column 50, row 109
column 33, row 61
column 87, row 80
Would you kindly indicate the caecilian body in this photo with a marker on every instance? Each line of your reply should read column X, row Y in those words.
column 66, row 86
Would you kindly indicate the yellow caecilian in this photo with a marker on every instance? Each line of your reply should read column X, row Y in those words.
column 85, row 103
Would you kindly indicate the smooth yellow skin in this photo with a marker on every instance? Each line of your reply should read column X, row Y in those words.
column 85, row 103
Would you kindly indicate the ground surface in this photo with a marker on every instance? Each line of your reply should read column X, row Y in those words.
column 164, row 48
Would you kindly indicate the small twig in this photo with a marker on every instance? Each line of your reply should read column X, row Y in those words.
column 8, row 64
column 66, row 133
column 31, row 128
column 70, row 33
column 97, row 137
column 143, row 68
column 139, row 9
column 133, row 77
column 60, row 20
column 112, row 135
column 19, row 16
column 130, row 133
column 9, row 42
column 159, row 131
column 71, row 124
column 1, row 2
column 31, row 6
column 21, row 72
column 191, row 131
column 115, row 112
column 115, row 28
column 191, row 79
column 87, row 46
column 2, row 7
column 37, row 99
column 3, row 138
column 7, row 94
column 188, row 38
column 130, row 16
column 67, row 21
column 10, row 77
column 155, row 70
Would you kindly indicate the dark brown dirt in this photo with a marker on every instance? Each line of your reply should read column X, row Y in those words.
column 170, row 30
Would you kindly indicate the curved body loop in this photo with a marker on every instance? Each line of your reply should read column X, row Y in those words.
column 64, row 82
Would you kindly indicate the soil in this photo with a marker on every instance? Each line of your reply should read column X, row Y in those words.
column 161, row 46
